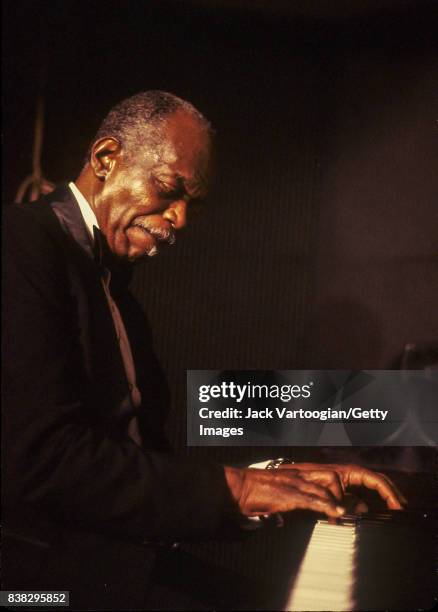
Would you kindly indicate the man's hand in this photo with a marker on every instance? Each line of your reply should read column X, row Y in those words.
column 351, row 475
column 311, row 486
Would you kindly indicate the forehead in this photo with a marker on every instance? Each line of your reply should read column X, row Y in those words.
column 185, row 148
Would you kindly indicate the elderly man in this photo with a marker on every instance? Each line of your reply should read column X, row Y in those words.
column 91, row 488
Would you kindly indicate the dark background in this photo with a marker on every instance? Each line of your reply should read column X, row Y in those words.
column 319, row 248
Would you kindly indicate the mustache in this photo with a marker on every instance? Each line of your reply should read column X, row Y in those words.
column 162, row 233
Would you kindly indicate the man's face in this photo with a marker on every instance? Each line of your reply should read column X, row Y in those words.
column 142, row 203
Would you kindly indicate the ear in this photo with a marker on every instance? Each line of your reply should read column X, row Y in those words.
column 104, row 154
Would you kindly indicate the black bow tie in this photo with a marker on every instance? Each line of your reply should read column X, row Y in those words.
column 121, row 271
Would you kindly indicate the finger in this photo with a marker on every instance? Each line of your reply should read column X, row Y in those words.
column 328, row 478
column 354, row 505
column 355, row 475
column 292, row 481
column 305, row 501
column 399, row 494
column 360, row 508
column 314, row 489
column 376, row 482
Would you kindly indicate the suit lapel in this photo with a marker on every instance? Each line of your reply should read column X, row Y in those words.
column 108, row 391
column 67, row 211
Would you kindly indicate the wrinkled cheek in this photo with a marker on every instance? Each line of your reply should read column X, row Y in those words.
column 115, row 233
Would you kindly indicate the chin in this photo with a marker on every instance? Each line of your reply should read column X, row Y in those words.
column 138, row 256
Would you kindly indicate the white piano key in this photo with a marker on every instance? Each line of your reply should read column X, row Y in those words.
column 325, row 578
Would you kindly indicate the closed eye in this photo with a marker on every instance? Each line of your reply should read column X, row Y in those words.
column 165, row 190
column 172, row 191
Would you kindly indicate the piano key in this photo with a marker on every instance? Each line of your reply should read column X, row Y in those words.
column 367, row 562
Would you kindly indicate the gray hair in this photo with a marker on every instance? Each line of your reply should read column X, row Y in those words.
column 136, row 121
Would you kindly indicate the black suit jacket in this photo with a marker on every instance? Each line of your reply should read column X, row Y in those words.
column 69, row 465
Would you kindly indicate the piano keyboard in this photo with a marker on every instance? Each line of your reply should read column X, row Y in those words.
column 382, row 561
column 325, row 578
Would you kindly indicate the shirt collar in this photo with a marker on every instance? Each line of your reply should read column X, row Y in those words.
column 86, row 211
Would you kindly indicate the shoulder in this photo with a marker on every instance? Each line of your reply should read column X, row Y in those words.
column 34, row 227
column 34, row 218
column 33, row 242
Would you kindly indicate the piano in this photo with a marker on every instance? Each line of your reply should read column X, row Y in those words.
column 382, row 560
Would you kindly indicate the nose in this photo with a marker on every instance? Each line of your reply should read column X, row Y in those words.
column 176, row 214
